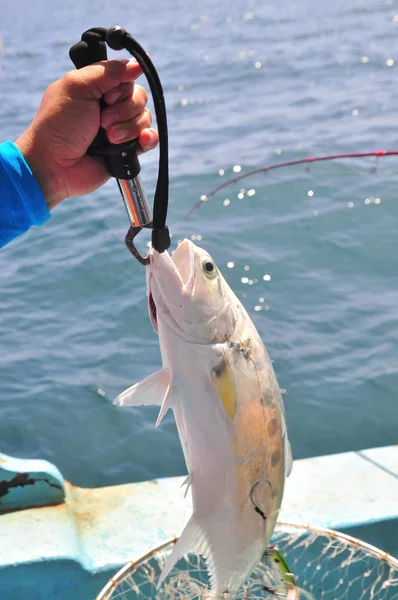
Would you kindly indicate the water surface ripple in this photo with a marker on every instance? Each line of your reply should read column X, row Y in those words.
column 246, row 83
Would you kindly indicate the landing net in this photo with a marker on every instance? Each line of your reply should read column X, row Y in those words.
column 323, row 564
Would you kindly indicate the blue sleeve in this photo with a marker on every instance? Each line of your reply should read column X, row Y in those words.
column 22, row 203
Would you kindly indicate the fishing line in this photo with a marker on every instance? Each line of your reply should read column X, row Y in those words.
column 288, row 163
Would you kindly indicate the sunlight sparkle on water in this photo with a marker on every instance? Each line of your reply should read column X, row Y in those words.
column 310, row 193
column 246, row 267
column 267, row 277
column 245, row 280
column 258, row 64
column 221, row 172
column 240, row 195
column 251, row 192
column 203, row 198
column 350, row 204
column 237, row 169
column 227, row 202
column 355, row 112
column 389, row 62
column 365, row 59
column 230, row 264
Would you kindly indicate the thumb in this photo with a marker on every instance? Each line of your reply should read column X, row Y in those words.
column 94, row 81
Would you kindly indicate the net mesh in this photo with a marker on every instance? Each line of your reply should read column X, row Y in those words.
column 325, row 564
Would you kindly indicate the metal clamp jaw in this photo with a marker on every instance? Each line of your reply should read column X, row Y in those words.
column 123, row 164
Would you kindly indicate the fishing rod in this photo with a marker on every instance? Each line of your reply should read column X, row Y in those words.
column 288, row 163
column 121, row 159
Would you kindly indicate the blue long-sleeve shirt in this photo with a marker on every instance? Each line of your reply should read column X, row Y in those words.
column 22, row 203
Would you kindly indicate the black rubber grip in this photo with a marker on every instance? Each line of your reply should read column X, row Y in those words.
column 121, row 159
column 83, row 54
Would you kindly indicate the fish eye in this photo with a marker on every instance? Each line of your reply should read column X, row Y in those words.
column 209, row 268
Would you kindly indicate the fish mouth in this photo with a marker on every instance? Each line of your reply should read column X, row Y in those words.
column 172, row 278
column 183, row 258
column 153, row 312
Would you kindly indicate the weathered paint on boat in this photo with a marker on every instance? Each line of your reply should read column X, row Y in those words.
column 71, row 549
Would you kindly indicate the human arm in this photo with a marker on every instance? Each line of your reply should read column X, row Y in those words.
column 51, row 153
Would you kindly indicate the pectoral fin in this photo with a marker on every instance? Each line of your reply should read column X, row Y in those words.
column 151, row 390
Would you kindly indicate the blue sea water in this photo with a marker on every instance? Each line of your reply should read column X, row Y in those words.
column 246, row 83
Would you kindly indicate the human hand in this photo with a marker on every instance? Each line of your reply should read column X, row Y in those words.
column 68, row 119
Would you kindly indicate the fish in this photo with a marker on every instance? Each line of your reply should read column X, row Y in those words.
column 219, row 381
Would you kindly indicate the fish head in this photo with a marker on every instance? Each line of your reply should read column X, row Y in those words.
column 188, row 294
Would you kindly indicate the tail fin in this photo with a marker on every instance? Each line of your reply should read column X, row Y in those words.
column 191, row 539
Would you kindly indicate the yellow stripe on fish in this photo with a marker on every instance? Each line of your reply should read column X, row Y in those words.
column 223, row 383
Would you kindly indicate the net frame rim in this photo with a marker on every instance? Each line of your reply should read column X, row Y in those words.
column 330, row 533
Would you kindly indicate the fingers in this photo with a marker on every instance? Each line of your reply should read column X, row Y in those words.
column 148, row 139
column 125, row 110
column 125, row 119
column 127, row 130
column 96, row 80
column 122, row 91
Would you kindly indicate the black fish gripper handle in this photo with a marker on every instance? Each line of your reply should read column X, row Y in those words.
column 121, row 159
column 90, row 50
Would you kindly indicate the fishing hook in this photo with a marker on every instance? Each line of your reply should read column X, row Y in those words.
column 256, row 508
